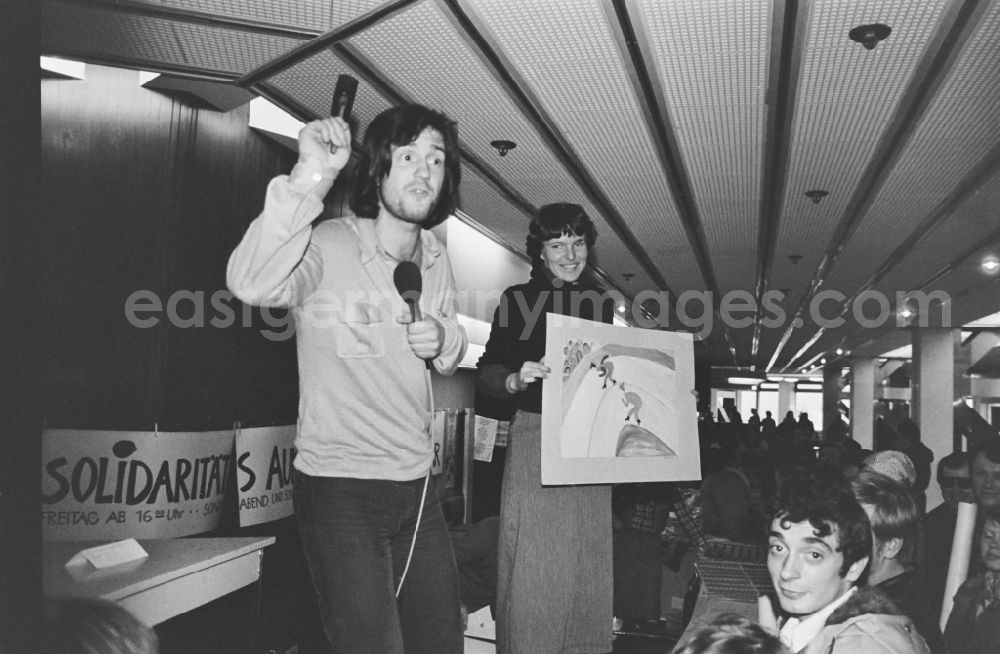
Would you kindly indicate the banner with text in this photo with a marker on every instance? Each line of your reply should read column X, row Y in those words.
column 264, row 458
column 104, row 485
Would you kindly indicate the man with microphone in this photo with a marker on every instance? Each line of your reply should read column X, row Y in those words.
column 371, row 527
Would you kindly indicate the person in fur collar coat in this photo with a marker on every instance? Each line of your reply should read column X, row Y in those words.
column 867, row 623
column 819, row 545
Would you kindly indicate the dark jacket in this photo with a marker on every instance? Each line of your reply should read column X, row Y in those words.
column 967, row 634
column 937, row 529
column 908, row 591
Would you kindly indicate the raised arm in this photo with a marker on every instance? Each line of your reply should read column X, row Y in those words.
column 271, row 265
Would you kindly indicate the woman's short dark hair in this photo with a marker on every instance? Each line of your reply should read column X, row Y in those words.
column 401, row 126
column 555, row 220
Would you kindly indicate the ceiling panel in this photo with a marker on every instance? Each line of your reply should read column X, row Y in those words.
column 963, row 230
column 85, row 32
column 847, row 96
column 713, row 83
column 305, row 14
column 311, row 82
column 576, row 72
column 959, row 130
column 480, row 198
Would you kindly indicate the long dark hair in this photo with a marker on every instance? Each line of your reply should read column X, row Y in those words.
column 552, row 221
column 401, row 126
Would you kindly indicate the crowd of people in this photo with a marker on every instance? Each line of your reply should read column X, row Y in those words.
column 856, row 563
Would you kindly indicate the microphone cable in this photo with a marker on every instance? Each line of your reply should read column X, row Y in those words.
column 423, row 494
column 413, row 543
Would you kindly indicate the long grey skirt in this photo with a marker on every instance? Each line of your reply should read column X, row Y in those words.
column 554, row 561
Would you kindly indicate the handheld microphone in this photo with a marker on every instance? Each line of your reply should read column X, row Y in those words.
column 343, row 99
column 343, row 96
column 409, row 285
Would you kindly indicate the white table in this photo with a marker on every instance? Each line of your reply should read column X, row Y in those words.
column 178, row 576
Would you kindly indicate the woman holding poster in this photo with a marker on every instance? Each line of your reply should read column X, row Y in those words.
column 554, row 585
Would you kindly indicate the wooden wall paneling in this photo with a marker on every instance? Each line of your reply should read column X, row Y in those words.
column 105, row 147
column 150, row 193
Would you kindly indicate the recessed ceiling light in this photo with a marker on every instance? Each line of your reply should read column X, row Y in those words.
column 990, row 265
column 503, row 146
column 869, row 35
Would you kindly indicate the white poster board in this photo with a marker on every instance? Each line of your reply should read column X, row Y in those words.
column 618, row 405
column 264, row 457
column 110, row 485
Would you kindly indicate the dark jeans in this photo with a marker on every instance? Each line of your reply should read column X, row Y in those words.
column 356, row 534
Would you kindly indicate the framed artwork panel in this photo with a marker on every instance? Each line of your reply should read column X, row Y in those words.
column 618, row 405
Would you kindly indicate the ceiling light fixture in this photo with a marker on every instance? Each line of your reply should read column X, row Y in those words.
column 816, row 195
column 990, row 265
column 869, row 35
column 503, row 146
column 795, row 258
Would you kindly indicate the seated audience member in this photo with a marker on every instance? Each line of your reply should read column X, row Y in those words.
column 974, row 623
column 818, row 548
column 895, row 522
column 937, row 527
column 729, row 633
column 76, row 625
